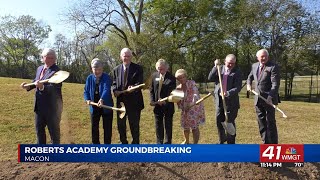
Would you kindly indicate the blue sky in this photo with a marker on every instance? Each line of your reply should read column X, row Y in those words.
column 47, row 11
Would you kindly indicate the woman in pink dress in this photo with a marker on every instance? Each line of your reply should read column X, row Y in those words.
column 191, row 117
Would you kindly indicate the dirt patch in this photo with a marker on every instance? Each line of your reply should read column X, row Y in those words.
column 13, row 170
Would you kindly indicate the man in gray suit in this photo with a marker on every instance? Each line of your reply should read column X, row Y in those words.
column 231, row 83
column 267, row 80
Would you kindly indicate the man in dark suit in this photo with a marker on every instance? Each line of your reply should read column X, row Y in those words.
column 267, row 80
column 231, row 82
column 48, row 99
column 125, row 76
column 163, row 82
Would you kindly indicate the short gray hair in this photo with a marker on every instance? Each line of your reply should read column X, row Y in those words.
column 47, row 51
column 262, row 50
column 125, row 50
column 232, row 56
column 96, row 63
column 162, row 62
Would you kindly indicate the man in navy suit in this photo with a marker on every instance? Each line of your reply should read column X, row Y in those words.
column 231, row 83
column 125, row 76
column 267, row 81
column 163, row 82
column 48, row 99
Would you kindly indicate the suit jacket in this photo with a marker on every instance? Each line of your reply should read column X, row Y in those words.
column 233, row 87
column 169, row 84
column 104, row 91
column 49, row 101
column 268, row 82
column 134, row 100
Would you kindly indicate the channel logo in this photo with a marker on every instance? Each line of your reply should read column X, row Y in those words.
column 281, row 153
column 291, row 150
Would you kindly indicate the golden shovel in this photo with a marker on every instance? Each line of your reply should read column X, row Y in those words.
column 56, row 78
column 226, row 124
column 176, row 96
column 122, row 109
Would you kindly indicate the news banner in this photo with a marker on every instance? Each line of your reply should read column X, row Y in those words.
column 266, row 155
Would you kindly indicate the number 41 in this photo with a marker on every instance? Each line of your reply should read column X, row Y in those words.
column 269, row 152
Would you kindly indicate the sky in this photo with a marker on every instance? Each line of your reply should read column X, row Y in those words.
column 47, row 11
column 50, row 12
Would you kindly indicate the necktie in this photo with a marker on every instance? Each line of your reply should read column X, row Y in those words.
column 43, row 72
column 225, row 80
column 160, row 85
column 260, row 70
column 125, row 77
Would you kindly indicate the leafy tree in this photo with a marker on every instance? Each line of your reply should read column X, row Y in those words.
column 20, row 40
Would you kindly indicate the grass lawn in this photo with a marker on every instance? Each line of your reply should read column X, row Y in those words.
column 17, row 120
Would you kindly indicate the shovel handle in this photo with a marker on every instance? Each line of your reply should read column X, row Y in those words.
column 201, row 99
column 222, row 94
column 132, row 88
column 42, row 81
column 164, row 99
column 106, row 107
column 274, row 106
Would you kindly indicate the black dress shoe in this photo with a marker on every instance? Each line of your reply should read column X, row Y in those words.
column 222, row 142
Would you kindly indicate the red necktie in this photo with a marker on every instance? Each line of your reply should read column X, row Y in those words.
column 43, row 72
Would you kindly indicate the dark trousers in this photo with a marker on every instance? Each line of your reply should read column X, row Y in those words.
column 53, row 123
column 107, row 127
column 220, row 117
column 267, row 123
column 134, row 122
column 163, row 122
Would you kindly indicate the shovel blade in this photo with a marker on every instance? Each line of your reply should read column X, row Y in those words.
column 122, row 114
column 59, row 76
column 229, row 128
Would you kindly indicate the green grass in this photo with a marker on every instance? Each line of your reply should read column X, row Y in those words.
column 17, row 120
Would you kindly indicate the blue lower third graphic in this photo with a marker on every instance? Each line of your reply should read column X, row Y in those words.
column 138, row 153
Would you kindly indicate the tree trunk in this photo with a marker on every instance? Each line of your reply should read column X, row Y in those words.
column 290, row 84
column 286, row 80
column 310, row 87
column 318, row 97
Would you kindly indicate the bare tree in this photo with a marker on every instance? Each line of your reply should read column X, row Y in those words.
column 100, row 16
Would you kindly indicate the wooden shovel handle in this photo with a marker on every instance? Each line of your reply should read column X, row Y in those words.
column 164, row 99
column 222, row 94
column 30, row 84
column 104, row 106
column 201, row 99
column 132, row 88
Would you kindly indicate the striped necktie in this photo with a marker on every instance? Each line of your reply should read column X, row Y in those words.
column 43, row 72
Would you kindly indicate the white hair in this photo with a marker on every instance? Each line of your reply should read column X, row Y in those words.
column 262, row 50
column 124, row 50
column 232, row 56
column 47, row 51
column 180, row 72
column 162, row 62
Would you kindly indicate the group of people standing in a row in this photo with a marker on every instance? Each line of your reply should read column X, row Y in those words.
column 99, row 87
